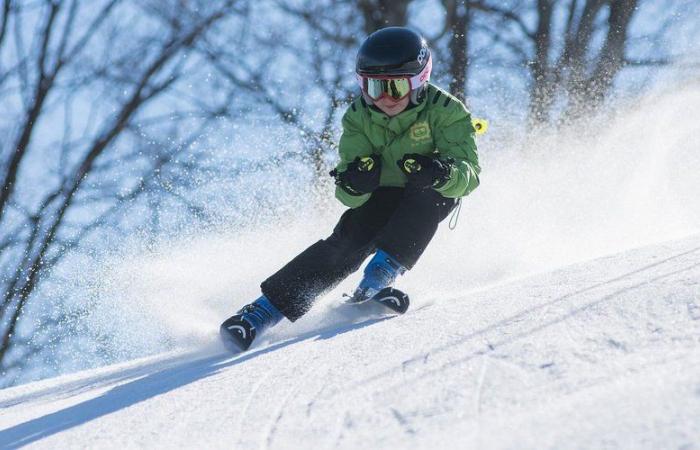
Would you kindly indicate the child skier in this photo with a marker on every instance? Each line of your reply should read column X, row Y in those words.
column 407, row 154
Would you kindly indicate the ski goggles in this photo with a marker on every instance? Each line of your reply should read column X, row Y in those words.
column 396, row 88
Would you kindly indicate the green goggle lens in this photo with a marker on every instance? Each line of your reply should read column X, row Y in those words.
column 394, row 88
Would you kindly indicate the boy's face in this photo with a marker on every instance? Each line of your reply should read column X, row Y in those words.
column 391, row 107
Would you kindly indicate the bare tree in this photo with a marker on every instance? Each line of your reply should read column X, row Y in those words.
column 96, row 69
column 457, row 23
column 578, row 59
column 383, row 13
column 308, row 100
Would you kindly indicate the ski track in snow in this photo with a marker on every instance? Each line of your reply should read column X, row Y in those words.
column 600, row 354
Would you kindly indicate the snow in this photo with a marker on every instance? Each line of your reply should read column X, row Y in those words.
column 563, row 312
column 600, row 354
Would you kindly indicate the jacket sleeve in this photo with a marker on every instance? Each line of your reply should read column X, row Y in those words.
column 353, row 143
column 455, row 138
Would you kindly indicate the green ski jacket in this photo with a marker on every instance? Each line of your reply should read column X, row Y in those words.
column 439, row 125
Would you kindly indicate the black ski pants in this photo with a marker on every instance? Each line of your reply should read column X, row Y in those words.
column 399, row 221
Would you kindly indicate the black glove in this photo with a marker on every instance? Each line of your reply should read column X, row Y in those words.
column 425, row 171
column 361, row 176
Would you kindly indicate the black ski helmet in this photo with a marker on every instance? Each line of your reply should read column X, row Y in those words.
column 396, row 51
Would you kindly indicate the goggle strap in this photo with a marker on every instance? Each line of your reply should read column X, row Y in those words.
column 423, row 76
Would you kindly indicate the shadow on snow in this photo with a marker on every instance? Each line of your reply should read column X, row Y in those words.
column 154, row 384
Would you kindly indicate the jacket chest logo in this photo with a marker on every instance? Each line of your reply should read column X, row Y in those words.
column 419, row 132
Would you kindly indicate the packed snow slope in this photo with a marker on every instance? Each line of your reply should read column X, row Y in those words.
column 600, row 354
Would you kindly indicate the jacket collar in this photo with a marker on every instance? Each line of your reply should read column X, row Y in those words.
column 400, row 122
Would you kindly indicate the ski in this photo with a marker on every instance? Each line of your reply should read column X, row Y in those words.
column 237, row 334
column 392, row 299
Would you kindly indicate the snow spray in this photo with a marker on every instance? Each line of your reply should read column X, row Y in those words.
column 549, row 200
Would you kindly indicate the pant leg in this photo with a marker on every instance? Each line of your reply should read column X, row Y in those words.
column 323, row 265
column 413, row 224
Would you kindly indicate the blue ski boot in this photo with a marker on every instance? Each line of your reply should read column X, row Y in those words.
column 378, row 281
column 239, row 330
